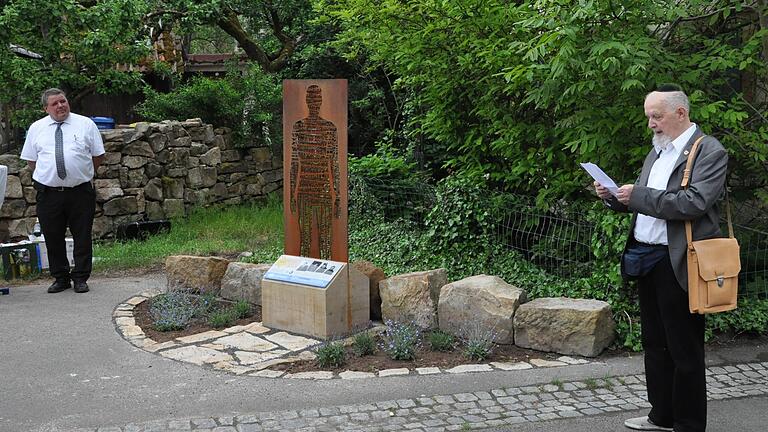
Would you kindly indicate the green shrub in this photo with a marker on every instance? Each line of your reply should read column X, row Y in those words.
column 241, row 309
column 400, row 340
column 222, row 318
column 440, row 341
column 331, row 355
column 173, row 310
column 478, row 342
column 363, row 344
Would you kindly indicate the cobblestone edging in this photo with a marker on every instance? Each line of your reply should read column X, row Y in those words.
column 463, row 411
column 253, row 349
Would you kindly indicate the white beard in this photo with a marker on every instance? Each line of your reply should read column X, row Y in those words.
column 661, row 141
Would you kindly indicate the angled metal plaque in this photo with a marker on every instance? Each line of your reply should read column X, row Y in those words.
column 315, row 168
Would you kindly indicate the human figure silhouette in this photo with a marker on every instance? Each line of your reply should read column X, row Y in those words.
column 314, row 178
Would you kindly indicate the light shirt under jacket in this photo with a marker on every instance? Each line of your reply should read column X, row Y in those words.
column 82, row 142
column 649, row 229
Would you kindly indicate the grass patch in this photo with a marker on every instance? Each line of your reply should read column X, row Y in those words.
column 254, row 227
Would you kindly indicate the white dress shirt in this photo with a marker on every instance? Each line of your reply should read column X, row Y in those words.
column 649, row 229
column 82, row 142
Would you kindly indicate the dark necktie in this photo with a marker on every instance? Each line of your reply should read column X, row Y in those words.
column 60, row 169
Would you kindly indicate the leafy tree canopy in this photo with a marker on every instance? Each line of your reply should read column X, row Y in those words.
column 521, row 91
column 83, row 47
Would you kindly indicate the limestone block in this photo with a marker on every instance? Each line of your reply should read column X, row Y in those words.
column 112, row 135
column 102, row 226
column 13, row 162
column 158, row 141
column 211, row 157
column 30, row 195
column 375, row 275
column 243, row 281
column 412, row 297
column 134, row 162
column 179, row 156
column 220, row 190
column 25, row 174
column 564, row 325
column 153, row 170
column 174, row 208
column 139, row 148
column 193, row 162
column 112, row 158
column 261, row 154
column 208, row 176
column 163, row 156
column 232, row 167
column 121, row 206
column 105, row 194
column 199, row 274
column 20, row 227
column 485, row 302
column 183, row 141
column 13, row 187
column 197, row 148
column 13, row 208
column 194, row 178
column 140, row 132
column 173, row 187
column 229, row 155
column 155, row 210
column 154, row 190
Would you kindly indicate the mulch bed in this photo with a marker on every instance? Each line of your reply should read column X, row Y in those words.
column 371, row 363
column 144, row 320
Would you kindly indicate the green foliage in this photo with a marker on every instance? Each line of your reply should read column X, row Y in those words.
column 440, row 341
column 363, row 344
column 173, row 310
column 222, row 317
column 751, row 317
column 81, row 44
column 478, row 341
column 241, row 309
column 521, row 92
column 331, row 355
column 400, row 340
column 245, row 104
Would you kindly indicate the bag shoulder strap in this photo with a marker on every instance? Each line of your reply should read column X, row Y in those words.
column 684, row 185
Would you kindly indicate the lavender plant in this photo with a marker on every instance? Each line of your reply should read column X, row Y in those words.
column 330, row 354
column 440, row 341
column 173, row 310
column 363, row 344
column 400, row 340
column 478, row 341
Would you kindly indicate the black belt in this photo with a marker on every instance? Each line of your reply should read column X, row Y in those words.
column 43, row 188
column 651, row 246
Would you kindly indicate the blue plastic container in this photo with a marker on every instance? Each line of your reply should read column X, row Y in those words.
column 104, row 122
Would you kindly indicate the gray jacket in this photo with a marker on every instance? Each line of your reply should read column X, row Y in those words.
column 676, row 205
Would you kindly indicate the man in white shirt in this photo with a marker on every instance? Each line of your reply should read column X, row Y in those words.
column 63, row 150
column 655, row 256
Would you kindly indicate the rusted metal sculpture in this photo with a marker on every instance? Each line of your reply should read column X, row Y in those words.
column 315, row 168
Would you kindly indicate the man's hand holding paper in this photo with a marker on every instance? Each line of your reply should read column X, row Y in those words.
column 603, row 183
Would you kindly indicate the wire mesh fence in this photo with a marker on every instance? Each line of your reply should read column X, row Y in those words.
column 558, row 240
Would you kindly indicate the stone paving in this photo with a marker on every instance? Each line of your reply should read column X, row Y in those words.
column 464, row 411
column 252, row 349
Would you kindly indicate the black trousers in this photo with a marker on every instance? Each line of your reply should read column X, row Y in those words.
column 58, row 210
column 673, row 340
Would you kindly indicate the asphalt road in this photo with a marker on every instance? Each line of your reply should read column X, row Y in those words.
column 64, row 366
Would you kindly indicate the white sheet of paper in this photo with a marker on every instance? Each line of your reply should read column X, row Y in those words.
column 601, row 177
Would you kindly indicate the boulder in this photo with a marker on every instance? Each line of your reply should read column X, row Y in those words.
column 211, row 157
column 13, row 187
column 486, row 302
column 412, row 297
column 565, row 325
column 243, row 281
column 198, row 274
column 375, row 275
column 121, row 206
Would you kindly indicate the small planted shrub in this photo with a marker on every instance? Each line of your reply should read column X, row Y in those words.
column 241, row 309
column 478, row 342
column 206, row 302
column 222, row 318
column 330, row 355
column 440, row 341
column 363, row 344
column 173, row 310
column 400, row 340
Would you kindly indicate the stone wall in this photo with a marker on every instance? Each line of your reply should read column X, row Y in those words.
column 155, row 170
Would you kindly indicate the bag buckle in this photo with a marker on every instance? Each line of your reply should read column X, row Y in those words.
column 720, row 281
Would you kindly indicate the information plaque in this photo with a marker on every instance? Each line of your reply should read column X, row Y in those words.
column 305, row 271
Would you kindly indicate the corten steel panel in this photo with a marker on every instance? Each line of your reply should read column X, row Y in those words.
column 315, row 168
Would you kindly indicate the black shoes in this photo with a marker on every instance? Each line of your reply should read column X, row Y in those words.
column 59, row 286
column 81, row 287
